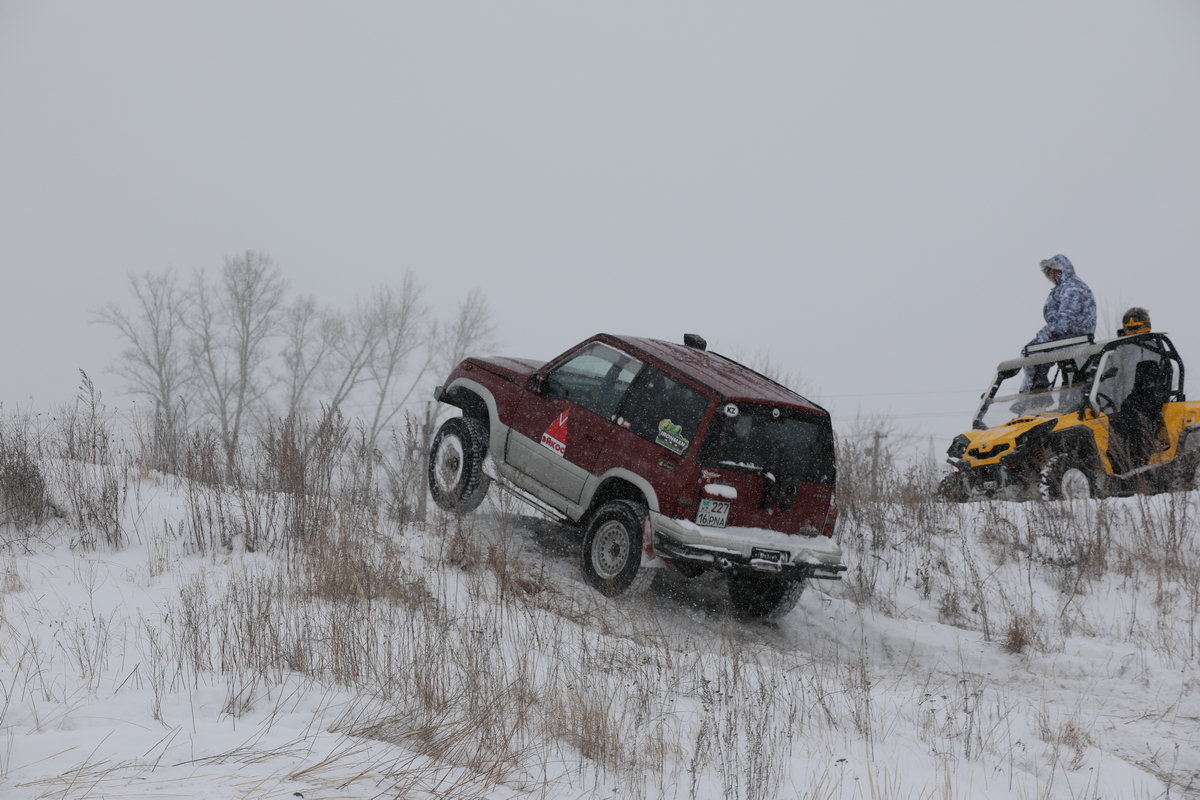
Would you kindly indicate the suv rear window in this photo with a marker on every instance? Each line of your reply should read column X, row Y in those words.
column 786, row 443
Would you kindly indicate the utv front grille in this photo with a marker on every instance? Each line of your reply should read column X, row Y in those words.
column 977, row 452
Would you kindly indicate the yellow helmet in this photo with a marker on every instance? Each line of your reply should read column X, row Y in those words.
column 1135, row 320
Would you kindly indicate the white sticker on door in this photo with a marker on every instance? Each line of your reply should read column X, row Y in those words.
column 555, row 437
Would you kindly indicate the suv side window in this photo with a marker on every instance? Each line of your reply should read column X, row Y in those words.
column 663, row 410
column 596, row 378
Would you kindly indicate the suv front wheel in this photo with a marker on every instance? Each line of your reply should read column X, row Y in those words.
column 456, row 478
column 612, row 548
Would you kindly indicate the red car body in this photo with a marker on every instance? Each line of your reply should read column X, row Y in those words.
column 735, row 471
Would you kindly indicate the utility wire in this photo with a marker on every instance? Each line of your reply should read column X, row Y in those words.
column 913, row 415
column 898, row 394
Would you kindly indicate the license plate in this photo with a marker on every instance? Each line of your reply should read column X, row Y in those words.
column 713, row 513
column 774, row 556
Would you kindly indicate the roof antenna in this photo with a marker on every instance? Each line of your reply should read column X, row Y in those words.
column 695, row 340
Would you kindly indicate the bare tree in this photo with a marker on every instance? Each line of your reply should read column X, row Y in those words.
column 469, row 331
column 356, row 337
column 233, row 321
column 400, row 324
column 311, row 338
column 154, row 358
column 764, row 364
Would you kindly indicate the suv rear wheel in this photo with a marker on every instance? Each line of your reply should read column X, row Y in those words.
column 456, row 478
column 612, row 548
column 764, row 597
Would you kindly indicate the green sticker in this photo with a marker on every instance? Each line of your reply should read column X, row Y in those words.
column 670, row 438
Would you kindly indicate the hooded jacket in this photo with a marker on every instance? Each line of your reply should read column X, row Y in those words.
column 1070, row 309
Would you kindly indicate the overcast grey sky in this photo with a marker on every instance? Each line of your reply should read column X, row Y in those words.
column 864, row 189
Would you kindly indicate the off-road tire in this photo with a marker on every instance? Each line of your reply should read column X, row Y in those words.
column 611, row 558
column 1187, row 465
column 1190, row 456
column 1063, row 478
column 953, row 488
column 764, row 597
column 456, row 456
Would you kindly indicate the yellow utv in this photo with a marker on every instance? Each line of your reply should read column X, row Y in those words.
column 1112, row 421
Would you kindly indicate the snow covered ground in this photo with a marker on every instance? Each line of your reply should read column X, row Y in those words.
column 164, row 638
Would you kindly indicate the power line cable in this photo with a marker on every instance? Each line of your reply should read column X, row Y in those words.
column 899, row 394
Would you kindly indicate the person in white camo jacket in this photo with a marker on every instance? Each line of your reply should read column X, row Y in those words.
column 1069, row 310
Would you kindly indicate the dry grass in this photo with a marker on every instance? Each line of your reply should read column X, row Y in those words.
column 24, row 501
column 475, row 663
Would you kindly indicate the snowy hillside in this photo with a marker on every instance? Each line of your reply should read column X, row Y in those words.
column 305, row 632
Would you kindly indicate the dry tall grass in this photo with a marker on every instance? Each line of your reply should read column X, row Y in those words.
column 473, row 648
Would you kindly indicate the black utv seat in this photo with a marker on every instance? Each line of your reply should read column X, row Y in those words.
column 1134, row 427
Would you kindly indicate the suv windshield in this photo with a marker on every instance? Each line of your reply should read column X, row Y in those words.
column 783, row 442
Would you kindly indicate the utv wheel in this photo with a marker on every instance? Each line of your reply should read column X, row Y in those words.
column 1188, row 459
column 1188, row 476
column 456, row 478
column 953, row 488
column 1062, row 479
column 612, row 549
column 764, row 597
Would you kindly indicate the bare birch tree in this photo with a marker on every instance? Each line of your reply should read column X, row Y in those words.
column 357, row 337
column 763, row 363
column 229, row 344
column 470, row 331
column 311, row 338
column 233, row 321
column 400, row 326
column 154, row 360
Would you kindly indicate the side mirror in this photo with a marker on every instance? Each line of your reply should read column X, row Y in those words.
column 535, row 383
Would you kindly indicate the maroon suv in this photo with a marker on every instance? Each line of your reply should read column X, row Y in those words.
column 664, row 454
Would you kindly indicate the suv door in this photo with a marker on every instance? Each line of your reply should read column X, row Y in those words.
column 660, row 420
column 563, row 421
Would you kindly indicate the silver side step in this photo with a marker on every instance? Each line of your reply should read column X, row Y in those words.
column 527, row 498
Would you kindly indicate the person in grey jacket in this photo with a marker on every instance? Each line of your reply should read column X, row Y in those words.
column 1069, row 310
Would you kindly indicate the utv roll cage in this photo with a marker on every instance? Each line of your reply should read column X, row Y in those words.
column 1079, row 361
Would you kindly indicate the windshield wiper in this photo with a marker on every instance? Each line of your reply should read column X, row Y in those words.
column 755, row 468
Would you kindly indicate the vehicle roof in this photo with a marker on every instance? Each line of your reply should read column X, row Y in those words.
column 1078, row 353
column 726, row 377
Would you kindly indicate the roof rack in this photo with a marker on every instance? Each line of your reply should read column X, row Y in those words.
column 1056, row 344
